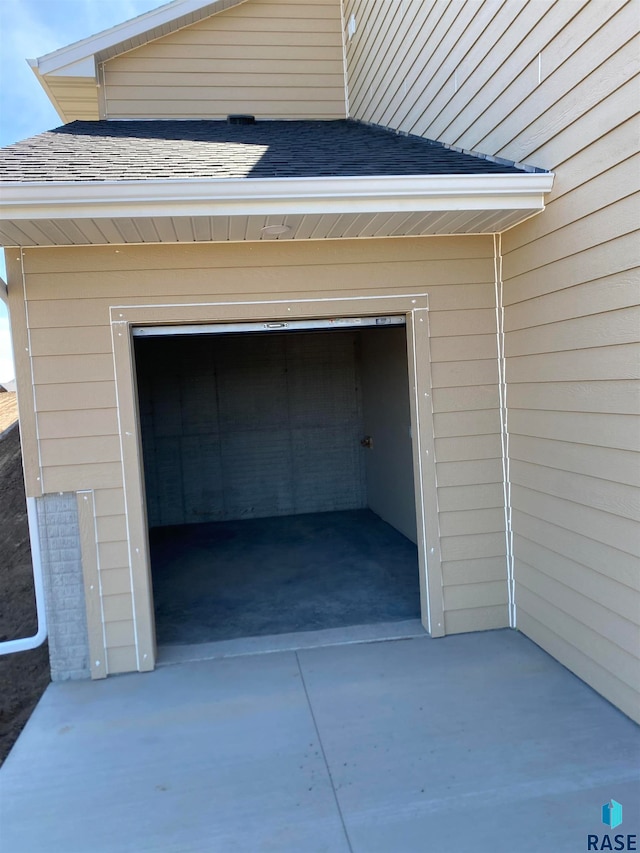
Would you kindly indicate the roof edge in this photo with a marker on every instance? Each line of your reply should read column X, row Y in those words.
column 232, row 196
column 471, row 152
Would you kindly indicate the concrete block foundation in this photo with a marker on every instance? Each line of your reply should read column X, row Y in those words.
column 64, row 588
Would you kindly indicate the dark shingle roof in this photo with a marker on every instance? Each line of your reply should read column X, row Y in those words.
column 143, row 150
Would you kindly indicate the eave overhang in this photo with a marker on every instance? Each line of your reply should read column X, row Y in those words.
column 70, row 70
column 461, row 204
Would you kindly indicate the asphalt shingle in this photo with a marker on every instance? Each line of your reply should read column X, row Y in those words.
column 147, row 150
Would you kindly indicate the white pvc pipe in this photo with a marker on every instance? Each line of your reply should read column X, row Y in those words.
column 26, row 643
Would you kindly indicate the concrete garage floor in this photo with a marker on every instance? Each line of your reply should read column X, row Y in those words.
column 478, row 742
column 265, row 576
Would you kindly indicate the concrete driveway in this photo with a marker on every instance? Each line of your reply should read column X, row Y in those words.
column 479, row 742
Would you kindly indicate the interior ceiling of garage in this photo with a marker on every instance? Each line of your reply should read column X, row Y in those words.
column 97, row 182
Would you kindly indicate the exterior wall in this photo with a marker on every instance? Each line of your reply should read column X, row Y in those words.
column 269, row 59
column 555, row 85
column 64, row 588
column 572, row 324
column 491, row 78
column 68, row 295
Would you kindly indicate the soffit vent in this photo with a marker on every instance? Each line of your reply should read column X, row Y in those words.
column 241, row 119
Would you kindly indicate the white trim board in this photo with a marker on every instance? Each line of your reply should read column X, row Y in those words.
column 331, row 324
column 415, row 309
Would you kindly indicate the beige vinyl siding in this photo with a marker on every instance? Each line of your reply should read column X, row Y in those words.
column 572, row 324
column 573, row 398
column 491, row 77
column 270, row 59
column 115, row 578
column 76, row 98
column 68, row 309
column 554, row 85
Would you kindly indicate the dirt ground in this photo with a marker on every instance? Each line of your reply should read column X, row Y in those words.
column 23, row 676
column 8, row 409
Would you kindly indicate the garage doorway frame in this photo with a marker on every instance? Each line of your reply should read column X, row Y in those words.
column 415, row 307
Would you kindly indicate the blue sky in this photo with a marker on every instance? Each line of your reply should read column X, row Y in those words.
column 31, row 28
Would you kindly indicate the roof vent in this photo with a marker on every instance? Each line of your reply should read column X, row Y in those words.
column 241, row 119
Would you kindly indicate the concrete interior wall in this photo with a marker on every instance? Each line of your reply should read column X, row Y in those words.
column 249, row 426
column 387, row 420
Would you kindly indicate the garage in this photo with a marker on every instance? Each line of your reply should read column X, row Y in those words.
column 279, row 476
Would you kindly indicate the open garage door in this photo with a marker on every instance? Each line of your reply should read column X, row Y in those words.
column 278, row 476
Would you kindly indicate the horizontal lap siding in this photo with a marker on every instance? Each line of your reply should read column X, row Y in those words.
column 68, row 305
column 79, row 95
column 572, row 327
column 554, row 85
column 115, row 579
column 268, row 59
column 491, row 77
column 575, row 465
column 468, row 453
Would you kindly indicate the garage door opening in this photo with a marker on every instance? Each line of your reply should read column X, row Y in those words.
column 278, row 477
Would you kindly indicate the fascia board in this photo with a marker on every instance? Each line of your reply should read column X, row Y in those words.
column 263, row 196
column 82, row 68
column 145, row 23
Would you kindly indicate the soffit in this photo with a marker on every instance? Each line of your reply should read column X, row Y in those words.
column 169, row 229
column 138, row 182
